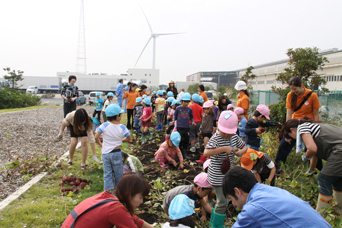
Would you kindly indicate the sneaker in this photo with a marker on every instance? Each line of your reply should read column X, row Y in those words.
column 197, row 145
column 193, row 149
column 143, row 139
column 310, row 172
column 95, row 159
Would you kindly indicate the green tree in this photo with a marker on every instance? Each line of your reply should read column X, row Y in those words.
column 193, row 88
column 248, row 76
column 13, row 76
column 221, row 90
column 303, row 63
column 209, row 87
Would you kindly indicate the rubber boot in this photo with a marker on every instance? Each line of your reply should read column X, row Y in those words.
column 217, row 220
column 150, row 135
column 323, row 202
column 143, row 138
column 202, row 159
column 338, row 202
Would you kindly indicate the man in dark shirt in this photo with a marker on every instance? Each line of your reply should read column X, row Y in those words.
column 70, row 95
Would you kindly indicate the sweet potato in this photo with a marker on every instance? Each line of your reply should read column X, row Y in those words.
column 83, row 184
column 64, row 178
column 61, row 184
column 66, row 189
column 77, row 182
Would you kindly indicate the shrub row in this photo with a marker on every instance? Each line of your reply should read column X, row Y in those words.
column 12, row 98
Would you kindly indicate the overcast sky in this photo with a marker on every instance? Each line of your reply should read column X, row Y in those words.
column 40, row 37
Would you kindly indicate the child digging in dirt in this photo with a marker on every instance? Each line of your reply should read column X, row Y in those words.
column 131, row 164
column 114, row 134
column 180, row 212
column 196, row 191
column 168, row 150
column 146, row 120
column 260, row 164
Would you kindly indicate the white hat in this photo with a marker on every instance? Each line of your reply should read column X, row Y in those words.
column 240, row 85
column 225, row 94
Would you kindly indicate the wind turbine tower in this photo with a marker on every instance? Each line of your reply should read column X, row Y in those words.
column 81, row 65
column 153, row 36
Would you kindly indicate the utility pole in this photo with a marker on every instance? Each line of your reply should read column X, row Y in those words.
column 81, row 65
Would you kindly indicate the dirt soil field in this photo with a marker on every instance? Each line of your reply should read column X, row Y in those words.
column 26, row 136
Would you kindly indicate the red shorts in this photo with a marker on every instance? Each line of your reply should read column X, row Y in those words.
column 146, row 124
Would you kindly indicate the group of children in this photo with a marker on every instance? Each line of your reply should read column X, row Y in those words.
column 188, row 119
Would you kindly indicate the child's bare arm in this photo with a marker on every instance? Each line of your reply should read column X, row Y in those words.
column 219, row 150
column 272, row 173
column 127, row 139
column 97, row 138
column 241, row 152
column 257, row 177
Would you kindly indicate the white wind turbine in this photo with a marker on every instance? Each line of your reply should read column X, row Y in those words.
column 154, row 36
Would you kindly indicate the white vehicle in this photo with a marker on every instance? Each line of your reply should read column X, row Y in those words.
column 92, row 96
column 32, row 90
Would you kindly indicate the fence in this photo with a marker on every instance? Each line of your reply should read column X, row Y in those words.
column 331, row 103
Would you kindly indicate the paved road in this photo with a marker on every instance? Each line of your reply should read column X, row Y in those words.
column 57, row 100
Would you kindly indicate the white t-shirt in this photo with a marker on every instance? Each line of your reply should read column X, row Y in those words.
column 112, row 135
column 105, row 105
column 167, row 225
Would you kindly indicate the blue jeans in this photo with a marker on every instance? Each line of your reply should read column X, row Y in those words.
column 328, row 183
column 120, row 101
column 112, row 162
column 253, row 147
column 136, row 122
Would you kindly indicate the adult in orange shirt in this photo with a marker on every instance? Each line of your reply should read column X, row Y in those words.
column 309, row 109
column 243, row 98
column 143, row 92
column 202, row 93
column 131, row 96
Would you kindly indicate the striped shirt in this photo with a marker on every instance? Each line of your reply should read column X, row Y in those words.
column 263, row 165
column 215, row 176
column 309, row 128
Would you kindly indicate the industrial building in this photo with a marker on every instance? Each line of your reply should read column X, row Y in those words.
column 221, row 78
column 267, row 73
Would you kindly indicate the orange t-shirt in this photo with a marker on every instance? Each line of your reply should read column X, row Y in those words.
column 131, row 99
column 243, row 102
column 307, row 108
column 204, row 95
column 142, row 94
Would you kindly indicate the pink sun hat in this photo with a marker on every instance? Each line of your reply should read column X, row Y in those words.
column 239, row 111
column 206, row 164
column 207, row 104
column 228, row 122
column 264, row 110
column 230, row 106
column 201, row 180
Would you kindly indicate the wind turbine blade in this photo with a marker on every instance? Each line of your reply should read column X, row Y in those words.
column 142, row 51
column 146, row 19
column 162, row 34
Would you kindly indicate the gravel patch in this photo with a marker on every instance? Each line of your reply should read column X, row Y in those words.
column 29, row 134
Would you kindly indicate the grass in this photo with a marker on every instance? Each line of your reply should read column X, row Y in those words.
column 27, row 108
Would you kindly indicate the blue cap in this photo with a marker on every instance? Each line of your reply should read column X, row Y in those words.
column 170, row 99
column 170, row 94
column 147, row 101
column 98, row 94
column 200, row 100
column 175, row 138
column 113, row 110
column 174, row 102
column 138, row 99
column 181, row 206
column 110, row 94
column 154, row 92
column 144, row 96
column 195, row 97
column 96, row 122
column 186, row 97
column 160, row 92
column 164, row 91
